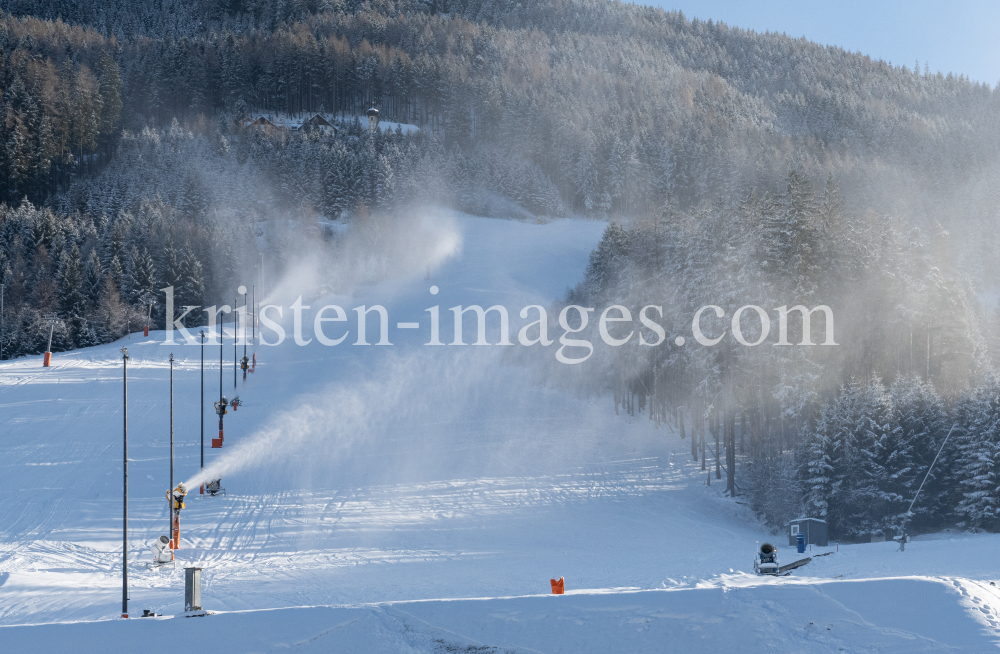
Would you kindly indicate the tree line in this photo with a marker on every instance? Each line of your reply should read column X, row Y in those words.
column 845, row 432
column 103, row 277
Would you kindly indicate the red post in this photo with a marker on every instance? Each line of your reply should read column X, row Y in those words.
column 47, row 360
column 175, row 544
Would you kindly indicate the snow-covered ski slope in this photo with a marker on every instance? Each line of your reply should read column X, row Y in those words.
column 409, row 498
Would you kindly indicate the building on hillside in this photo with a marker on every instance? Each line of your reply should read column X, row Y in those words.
column 320, row 124
column 285, row 123
column 260, row 123
column 813, row 529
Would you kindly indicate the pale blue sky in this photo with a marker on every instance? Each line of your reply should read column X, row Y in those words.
column 962, row 36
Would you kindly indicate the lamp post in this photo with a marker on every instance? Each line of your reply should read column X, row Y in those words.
column 125, row 359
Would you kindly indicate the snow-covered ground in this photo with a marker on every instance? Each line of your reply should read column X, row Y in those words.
column 419, row 499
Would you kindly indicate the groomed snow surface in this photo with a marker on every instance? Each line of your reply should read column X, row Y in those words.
column 418, row 499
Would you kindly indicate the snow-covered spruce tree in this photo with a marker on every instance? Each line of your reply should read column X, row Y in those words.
column 978, row 456
column 843, row 474
column 920, row 425
column 72, row 301
column 816, row 462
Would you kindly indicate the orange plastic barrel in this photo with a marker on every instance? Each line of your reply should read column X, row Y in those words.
column 558, row 587
column 47, row 360
column 145, row 330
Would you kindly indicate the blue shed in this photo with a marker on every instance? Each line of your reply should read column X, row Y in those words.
column 814, row 530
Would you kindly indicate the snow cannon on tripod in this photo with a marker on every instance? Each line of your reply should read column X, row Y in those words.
column 766, row 560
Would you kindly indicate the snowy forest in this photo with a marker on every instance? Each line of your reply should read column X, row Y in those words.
column 846, row 433
column 734, row 168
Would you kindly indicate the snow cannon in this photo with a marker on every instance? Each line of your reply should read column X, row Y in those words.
column 214, row 487
column 176, row 504
column 179, row 494
column 162, row 552
column 766, row 561
column 220, row 410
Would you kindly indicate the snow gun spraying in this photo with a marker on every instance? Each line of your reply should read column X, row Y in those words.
column 163, row 548
column 176, row 498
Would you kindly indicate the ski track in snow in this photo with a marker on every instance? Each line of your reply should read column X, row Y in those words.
column 463, row 480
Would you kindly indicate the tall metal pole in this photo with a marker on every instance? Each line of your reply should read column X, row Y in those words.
column 170, row 490
column 202, row 398
column 3, row 326
column 253, row 298
column 236, row 337
column 222, row 349
column 245, row 317
column 125, row 357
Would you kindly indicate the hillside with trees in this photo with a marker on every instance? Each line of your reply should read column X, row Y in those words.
column 735, row 168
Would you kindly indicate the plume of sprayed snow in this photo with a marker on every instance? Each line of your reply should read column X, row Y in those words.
column 326, row 425
column 371, row 249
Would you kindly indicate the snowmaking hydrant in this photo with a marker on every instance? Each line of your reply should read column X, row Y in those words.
column 176, row 497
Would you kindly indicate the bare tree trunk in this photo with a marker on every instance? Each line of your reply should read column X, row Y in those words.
column 694, row 432
column 718, row 463
column 701, row 429
column 731, row 456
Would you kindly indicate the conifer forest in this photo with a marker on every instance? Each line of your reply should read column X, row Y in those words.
column 733, row 168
